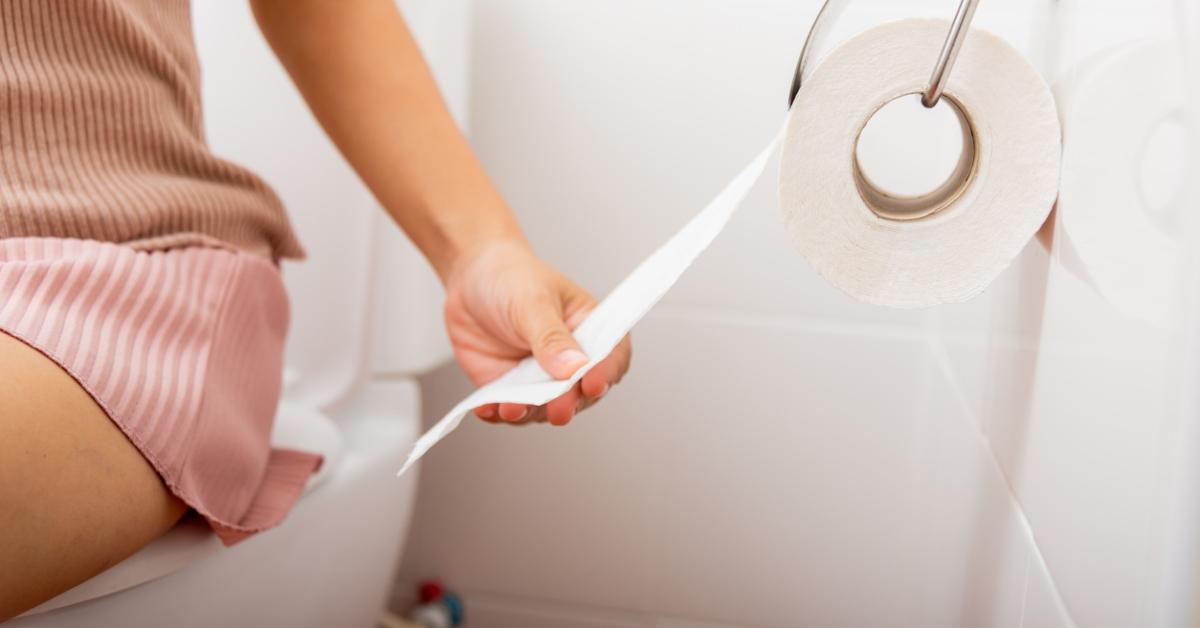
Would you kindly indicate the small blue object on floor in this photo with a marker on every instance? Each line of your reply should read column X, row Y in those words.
column 439, row 608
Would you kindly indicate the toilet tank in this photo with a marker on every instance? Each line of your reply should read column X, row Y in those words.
column 364, row 301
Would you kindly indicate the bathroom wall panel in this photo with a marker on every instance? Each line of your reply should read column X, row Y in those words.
column 1083, row 417
column 408, row 336
column 608, row 124
column 746, row 475
column 782, row 455
column 1082, row 404
column 1042, row 606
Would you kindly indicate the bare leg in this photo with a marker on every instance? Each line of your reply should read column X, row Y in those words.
column 76, row 497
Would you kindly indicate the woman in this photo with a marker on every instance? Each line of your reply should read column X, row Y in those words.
column 139, row 293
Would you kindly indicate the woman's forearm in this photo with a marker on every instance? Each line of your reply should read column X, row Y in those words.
column 361, row 73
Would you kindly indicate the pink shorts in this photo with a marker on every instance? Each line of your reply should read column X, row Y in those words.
column 183, row 349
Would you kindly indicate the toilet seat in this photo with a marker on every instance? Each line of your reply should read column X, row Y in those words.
column 296, row 427
column 330, row 563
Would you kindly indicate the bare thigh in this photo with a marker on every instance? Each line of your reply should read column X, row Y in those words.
column 76, row 497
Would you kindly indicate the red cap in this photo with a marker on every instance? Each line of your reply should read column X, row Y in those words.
column 430, row 591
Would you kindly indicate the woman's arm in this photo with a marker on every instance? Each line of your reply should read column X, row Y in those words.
column 365, row 80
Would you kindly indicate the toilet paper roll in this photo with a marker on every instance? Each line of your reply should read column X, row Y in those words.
column 978, row 231
column 1110, row 110
column 948, row 245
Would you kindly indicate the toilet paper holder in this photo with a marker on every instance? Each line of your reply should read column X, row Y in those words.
column 941, row 70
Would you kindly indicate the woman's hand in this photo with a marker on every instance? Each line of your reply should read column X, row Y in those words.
column 363, row 76
column 503, row 304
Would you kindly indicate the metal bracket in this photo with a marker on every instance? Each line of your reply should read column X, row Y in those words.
column 941, row 70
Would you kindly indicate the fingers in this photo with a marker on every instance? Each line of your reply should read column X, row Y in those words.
column 598, row 381
column 513, row 412
column 558, row 411
column 561, row 410
column 551, row 341
column 517, row 414
column 488, row 413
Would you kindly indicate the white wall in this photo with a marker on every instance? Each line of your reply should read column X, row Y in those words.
column 408, row 336
column 782, row 455
column 332, row 211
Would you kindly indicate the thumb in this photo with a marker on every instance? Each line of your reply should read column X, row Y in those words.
column 551, row 341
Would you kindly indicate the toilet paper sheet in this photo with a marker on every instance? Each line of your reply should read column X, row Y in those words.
column 615, row 316
column 949, row 256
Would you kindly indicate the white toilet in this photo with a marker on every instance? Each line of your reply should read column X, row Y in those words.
column 365, row 322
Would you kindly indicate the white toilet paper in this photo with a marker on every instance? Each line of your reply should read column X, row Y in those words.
column 945, row 247
column 1110, row 109
column 617, row 314
column 947, row 256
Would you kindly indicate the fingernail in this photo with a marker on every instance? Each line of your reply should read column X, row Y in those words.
column 486, row 413
column 510, row 416
column 571, row 358
column 604, row 391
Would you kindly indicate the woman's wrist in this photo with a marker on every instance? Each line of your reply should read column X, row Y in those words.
column 461, row 236
column 460, row 258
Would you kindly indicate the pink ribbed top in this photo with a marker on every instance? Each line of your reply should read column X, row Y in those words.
column 101, row 134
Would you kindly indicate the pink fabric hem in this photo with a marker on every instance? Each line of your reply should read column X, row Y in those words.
column 182, row 349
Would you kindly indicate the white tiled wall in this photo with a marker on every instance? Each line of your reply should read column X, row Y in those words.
column 782, row 455
column 407, row 329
